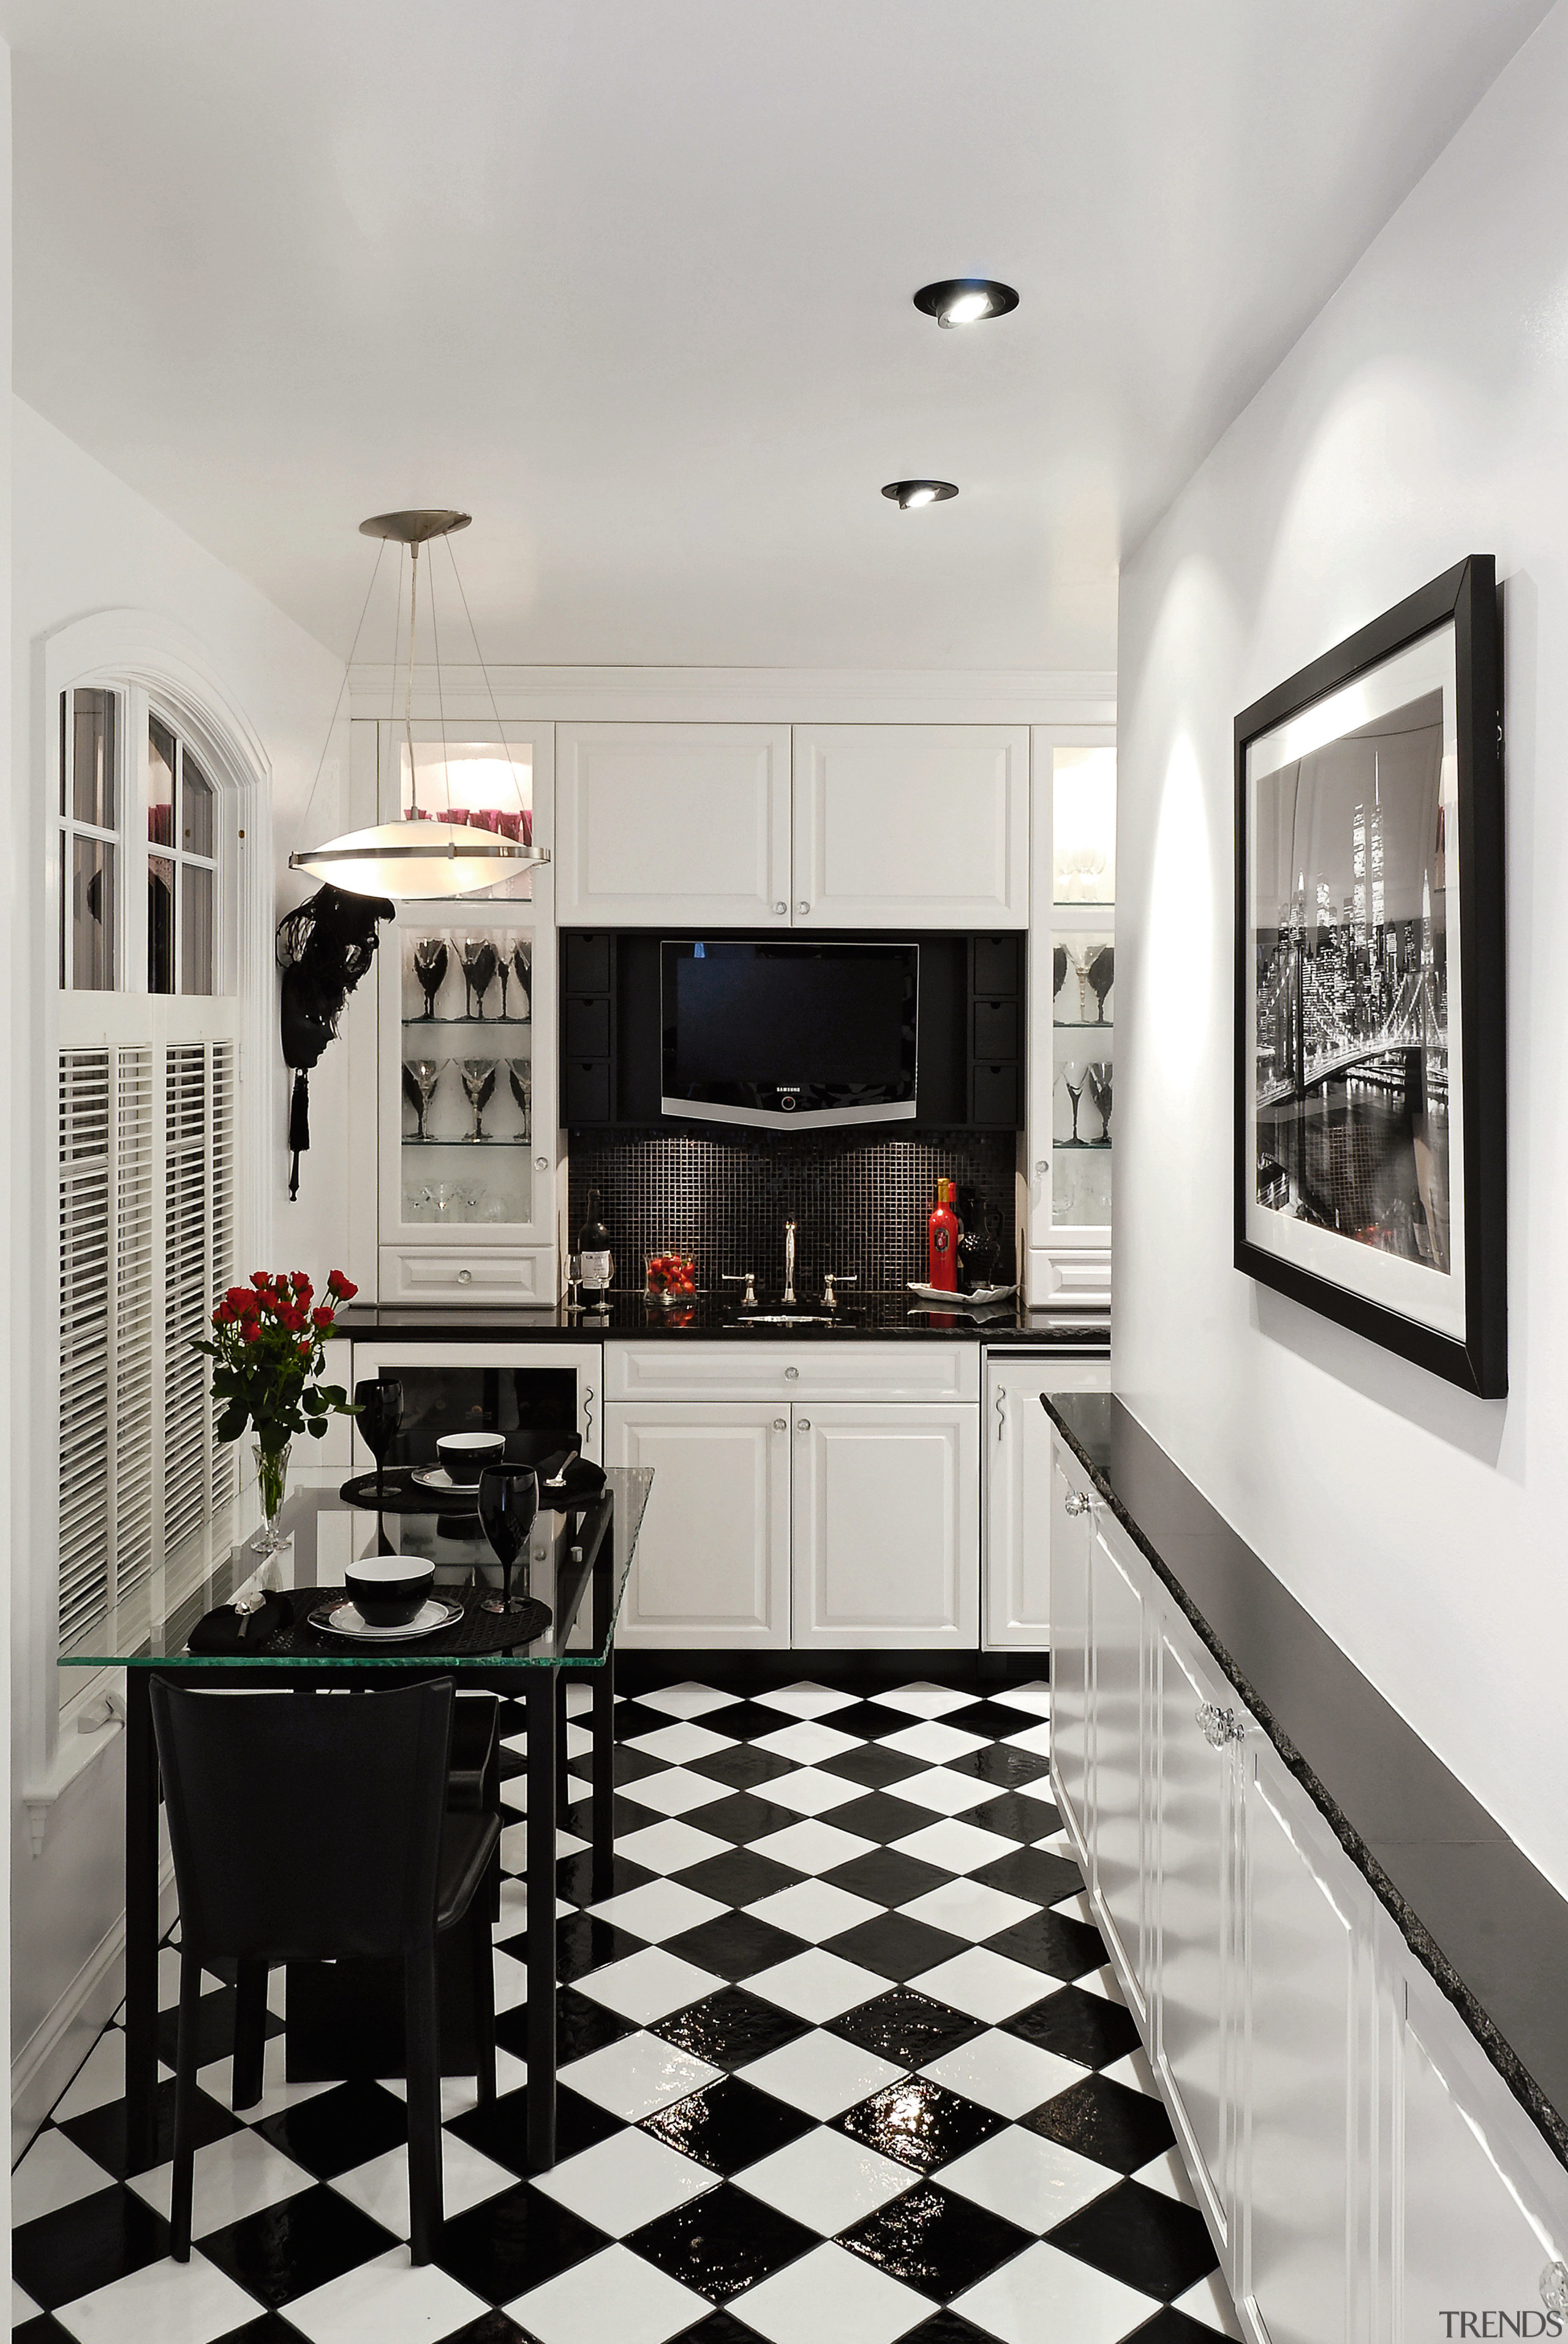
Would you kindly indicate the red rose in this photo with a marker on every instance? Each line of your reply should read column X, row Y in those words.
column 343, row 1287
column 260, row 1280
column 306, row 1350
column 321, row 1320
column 238, row 1295
column 251, row 1331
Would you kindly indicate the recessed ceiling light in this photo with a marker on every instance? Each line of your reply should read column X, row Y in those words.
column 908, row 494
column 965, row 300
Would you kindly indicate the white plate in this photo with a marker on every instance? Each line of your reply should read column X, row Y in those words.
column 976, row 1300
column 435, row 1477
column 345, row 1620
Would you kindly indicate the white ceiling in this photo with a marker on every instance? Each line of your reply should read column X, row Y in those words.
column 631, row 280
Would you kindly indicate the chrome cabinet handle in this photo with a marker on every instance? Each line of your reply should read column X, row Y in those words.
column 589, row 1398
column 780, row 1424
column 1000, row 1414
column 1076, row 1503
column 465, row 1277
column 791, row 1374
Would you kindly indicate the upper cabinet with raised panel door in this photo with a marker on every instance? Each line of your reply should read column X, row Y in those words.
column 672, row 821
column 846, row 826
column 910, row 826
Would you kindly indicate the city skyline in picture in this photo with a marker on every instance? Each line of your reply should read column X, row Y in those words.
column 1351, row 1074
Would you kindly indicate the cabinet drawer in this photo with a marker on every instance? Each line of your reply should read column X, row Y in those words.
column 437, row 1274
column 758, row 1368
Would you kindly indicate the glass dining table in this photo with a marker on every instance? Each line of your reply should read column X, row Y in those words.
column 579, row 1561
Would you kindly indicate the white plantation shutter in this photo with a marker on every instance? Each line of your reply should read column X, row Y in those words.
column 147, row 1201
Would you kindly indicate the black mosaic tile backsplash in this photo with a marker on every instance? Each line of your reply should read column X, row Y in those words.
column 860, row 1204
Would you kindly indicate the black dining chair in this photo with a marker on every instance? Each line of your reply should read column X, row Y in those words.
column 309, row 1828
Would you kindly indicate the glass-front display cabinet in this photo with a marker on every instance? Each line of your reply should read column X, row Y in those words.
column 1071, row 1139
column 467, row 1057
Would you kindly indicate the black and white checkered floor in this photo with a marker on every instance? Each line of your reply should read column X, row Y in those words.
column 842, row 2062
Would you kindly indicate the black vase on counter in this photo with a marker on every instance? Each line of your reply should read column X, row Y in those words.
column 979, row 1246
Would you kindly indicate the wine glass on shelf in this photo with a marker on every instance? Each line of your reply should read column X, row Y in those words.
column 508, row 1503
column 521, row 1081
column 480, row 964
column 479, row 1082
column 431, row 968
column 523, row 970
column 1099, row 1091
column 379, row 1400
column 504, row 971
column 420, row 1076
column 1058, row 971
column 1073, row 1074
column 1100, row 972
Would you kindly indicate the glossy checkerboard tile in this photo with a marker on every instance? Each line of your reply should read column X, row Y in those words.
column 842, row 2062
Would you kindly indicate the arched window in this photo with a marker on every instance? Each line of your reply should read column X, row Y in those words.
column 152, row 803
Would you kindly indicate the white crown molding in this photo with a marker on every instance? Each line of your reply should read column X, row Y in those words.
column 761, row 695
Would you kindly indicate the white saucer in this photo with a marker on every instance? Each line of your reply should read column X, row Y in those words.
column 435, row 1477
column 345, row 1620
column 977, row 1300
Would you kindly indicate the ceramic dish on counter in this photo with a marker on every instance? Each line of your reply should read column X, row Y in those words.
column 343, row 1619
column 937, row 1298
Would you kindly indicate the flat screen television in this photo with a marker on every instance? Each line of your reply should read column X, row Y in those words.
column 789, row 1033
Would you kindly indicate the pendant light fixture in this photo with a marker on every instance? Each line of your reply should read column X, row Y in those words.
column 430, row 853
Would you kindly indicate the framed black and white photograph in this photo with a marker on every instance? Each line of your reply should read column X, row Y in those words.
column 1369, row 1162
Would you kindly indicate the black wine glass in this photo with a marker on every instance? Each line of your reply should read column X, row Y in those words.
column 509, row 1501
column 431, row 968
column 379, row 1400
column 1101, row 975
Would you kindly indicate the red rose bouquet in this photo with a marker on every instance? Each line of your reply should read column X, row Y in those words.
column 267, row 1340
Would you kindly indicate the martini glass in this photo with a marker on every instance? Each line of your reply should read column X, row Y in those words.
column 479, row 1082
column 1074, row 1073
column 1099, row 1091
column 523, row 1092
column 480, row 964
column 420, row 1076
column 431, row 968
column 509, row 1501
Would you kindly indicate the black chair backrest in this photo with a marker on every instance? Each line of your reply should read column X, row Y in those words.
column 305, row 1827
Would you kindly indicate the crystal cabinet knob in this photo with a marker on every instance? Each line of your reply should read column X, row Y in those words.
column 780, row 1424
column 802, row 1424
column 465, row 1277
column 1220, row 1726
column 805, row 907
column 1554, row 2287
column 791, row 1374
column 781, row 909
column 1076, row 1503
column 541, row 1164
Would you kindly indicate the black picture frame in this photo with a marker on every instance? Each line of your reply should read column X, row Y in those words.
column 1470, row 1349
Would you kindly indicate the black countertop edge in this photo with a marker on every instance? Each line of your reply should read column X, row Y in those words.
column 1484, row 1922
column 868, row 1319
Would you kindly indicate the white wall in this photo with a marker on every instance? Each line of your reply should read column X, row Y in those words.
column 1424, row 416
column 83, row 543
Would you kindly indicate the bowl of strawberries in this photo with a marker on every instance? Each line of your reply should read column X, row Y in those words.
column 669, row 1278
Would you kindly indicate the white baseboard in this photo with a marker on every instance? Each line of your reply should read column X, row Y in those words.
column 59, row 2043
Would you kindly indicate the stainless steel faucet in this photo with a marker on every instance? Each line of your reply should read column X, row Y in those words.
column 788, row 1262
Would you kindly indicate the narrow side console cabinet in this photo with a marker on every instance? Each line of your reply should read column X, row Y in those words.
column 1364, row 2168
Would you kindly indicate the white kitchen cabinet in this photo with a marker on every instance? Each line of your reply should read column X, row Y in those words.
column 1195, row 1859
column 1067, row 1555
column 712, row 1564
column 1364, row 2170
column 688, row 823
column 1016, row 1439
column 910, row 826
column 1122, row 1736
column 886, row 1545
column 1307, row 1970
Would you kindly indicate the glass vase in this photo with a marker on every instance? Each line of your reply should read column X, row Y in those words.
column 272, row 1486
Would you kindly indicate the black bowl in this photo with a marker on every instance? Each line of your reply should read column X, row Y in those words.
column 387, row 1589
column 464, row 1455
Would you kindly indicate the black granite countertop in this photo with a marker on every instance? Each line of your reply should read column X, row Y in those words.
column 1488, row 1926
column 867, row 1317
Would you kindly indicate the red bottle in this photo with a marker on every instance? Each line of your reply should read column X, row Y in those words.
column 943, row 1234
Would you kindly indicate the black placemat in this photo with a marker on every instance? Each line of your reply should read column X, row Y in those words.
column 581, row 1483
column 477, row 1632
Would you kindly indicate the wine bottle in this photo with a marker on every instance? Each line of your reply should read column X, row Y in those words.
column 593, row 1248
column 943, row 1234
